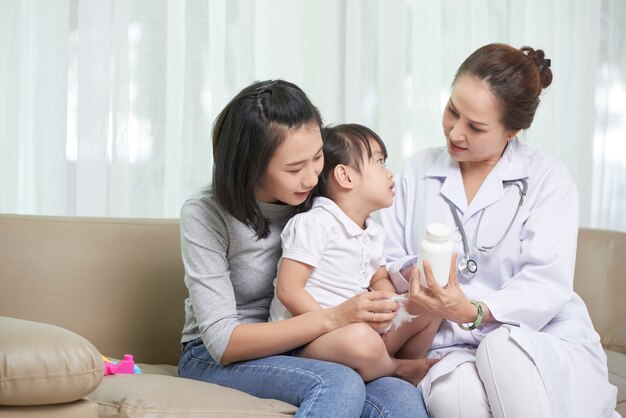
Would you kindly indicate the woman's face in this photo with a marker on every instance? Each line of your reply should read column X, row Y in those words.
column 471, row 123
column 294, row 168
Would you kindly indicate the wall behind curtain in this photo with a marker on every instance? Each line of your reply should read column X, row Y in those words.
column 106, row 106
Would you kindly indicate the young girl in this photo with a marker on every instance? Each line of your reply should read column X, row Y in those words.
column 335, row 251
column 267, row 151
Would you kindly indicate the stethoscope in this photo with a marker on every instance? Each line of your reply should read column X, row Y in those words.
column 467, row 267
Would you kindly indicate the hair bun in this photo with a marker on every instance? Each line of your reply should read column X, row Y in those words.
column 543, row 64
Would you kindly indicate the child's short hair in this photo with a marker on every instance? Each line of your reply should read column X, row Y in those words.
column 245, row 136
column 347, row 144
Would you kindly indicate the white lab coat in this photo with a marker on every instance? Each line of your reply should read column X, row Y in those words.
column 526, row 281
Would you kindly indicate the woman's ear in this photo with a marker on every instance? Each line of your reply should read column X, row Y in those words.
column 511, row 134
column 343, row 176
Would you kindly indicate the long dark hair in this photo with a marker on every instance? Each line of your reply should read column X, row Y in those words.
column 246, row 134
column 515, row 76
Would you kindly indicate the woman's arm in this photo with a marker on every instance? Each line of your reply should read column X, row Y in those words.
column 310, row 320
column 292, row 277
column 212, row 302
column 256, row 340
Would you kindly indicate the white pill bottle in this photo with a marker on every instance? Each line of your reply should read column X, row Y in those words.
column 436, row 247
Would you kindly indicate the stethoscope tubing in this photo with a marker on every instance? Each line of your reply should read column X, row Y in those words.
column 466, row 266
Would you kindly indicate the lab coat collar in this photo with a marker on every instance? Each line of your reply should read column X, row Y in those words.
column 513, row 165
column 448, row 171
column 351, row 227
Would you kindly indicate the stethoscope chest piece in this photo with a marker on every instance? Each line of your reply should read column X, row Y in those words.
column 467, row 267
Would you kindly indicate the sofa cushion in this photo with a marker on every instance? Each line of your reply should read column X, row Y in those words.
column 78, row 409
column 617, row 376
column 155, row 395
column 45, row 364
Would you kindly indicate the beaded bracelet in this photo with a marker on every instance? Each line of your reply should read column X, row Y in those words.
column 478, row 319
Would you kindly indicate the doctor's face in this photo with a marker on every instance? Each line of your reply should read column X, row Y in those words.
column 471, row 123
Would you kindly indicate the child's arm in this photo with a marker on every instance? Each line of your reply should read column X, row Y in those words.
column 292, row 276
column 380, row 281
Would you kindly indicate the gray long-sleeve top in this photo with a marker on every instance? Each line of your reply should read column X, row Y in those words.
column 228, row 271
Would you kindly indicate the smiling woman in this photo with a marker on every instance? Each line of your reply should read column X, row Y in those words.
column 505, row 324
column 294, row 168
column 267, row 153
column 472, row 125
column 281, row 120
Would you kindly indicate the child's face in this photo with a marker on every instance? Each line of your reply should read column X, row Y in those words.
column 294, row 168
column 375, row 184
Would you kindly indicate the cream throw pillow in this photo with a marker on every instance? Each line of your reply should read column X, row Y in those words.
column 45, row 364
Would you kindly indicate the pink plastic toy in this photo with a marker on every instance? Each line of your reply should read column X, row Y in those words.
column 124, row 366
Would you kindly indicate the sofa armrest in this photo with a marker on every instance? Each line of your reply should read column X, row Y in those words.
column 45, row 364
column 600, row 282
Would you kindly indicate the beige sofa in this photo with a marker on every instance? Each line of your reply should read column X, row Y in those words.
column 119, row 284
column 72, row 288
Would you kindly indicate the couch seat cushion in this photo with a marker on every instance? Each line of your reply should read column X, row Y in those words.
column 617, row 376
column 78, row 409
column 165, row 395
column 45, row 364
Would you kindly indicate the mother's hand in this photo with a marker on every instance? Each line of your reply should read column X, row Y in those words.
column 374, row 308
column 448, row 302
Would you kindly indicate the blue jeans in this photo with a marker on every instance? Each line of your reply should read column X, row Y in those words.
column 318, row 388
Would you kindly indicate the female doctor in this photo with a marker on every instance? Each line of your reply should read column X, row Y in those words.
column 516, row 340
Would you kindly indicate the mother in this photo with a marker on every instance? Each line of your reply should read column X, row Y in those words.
column 267, row 150
column 517, row 341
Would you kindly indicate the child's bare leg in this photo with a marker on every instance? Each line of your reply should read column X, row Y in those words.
column 360, row 347
column 357, row 346
column 418, row 345
column 413, row 339
column 413, row 370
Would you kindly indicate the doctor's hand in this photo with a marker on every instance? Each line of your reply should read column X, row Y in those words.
column 448, row 302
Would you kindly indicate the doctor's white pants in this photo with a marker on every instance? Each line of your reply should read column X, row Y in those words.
column 504, row 382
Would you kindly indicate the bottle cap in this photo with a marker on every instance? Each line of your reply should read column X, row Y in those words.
column 438, row 232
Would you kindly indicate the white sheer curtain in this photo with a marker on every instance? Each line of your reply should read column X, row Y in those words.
column 106, row 106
